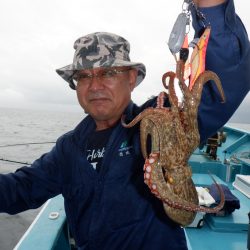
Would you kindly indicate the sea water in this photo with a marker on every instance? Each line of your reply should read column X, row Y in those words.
column 27, row 134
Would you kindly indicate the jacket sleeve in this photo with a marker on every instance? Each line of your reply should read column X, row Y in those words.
column 228, row 55
column 30, row 187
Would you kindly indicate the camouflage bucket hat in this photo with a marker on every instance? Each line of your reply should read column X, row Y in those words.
column 100, row 49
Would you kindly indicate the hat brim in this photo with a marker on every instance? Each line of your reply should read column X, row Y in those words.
column 68, row 71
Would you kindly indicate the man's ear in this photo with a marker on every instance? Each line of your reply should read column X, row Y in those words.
column 132, row 78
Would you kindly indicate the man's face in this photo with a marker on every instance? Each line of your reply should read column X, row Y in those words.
column 104, row 93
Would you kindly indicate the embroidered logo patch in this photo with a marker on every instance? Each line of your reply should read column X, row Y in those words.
column 124, row 149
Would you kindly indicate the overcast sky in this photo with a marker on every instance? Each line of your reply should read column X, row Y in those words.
column 37, row 37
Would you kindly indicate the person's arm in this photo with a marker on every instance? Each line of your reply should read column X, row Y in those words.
column 208, row 3
column 30, row 187
column 228, row 55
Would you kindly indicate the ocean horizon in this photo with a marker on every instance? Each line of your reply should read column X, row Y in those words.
column 29, row 133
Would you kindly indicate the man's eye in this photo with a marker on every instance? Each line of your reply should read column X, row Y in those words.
column 108, row 74
column 83, row 77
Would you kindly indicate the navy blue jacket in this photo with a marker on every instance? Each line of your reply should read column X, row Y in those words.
column 114, row 209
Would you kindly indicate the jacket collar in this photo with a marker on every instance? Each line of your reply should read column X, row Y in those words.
column 87, row 125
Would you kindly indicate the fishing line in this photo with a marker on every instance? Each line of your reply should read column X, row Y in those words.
column 24, row 144
column 21, row 144
column 19, row 162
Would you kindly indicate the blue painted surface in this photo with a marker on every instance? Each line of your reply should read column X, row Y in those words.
column 235, row 222
column 242, row 143
column 237, row 142
column 205, row 180
column 223, row 233
column 48, row 234
column 207, row 239
column 220, row 233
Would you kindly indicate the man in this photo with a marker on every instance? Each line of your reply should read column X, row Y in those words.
column 97, row 167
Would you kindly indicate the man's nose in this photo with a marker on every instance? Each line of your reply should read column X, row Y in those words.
column 96, row 83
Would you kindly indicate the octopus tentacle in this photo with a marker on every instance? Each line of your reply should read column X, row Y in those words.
column 163, row 190
column 171, row 75
column 170, row 86
column 160, row 100
column 137, row 119
column 204, row 78
column 180, row 135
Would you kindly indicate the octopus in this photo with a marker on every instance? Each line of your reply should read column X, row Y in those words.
column 168, row 137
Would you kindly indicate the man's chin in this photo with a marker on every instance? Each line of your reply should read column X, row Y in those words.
column 100, row 115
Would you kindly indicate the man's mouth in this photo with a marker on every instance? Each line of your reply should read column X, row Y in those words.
column 98, row 99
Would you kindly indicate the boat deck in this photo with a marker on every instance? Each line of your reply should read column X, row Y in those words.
column 220, row 233
column 207, row 239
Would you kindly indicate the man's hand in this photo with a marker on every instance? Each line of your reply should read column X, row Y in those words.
column 208, row 3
